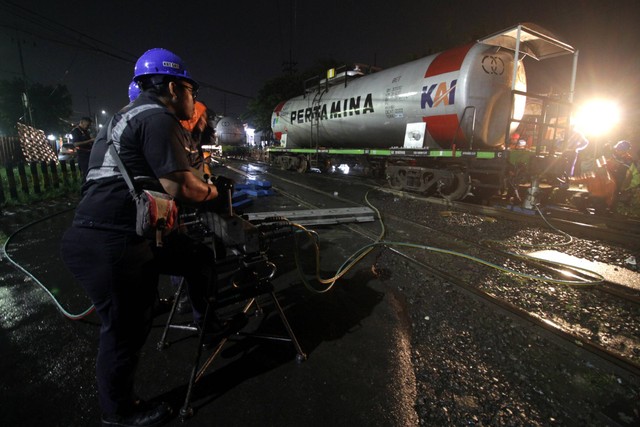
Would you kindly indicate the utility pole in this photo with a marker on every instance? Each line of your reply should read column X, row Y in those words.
column 25, row 95
column 89, row 103
column 289, row 67
column 95, row 120
column 224, row 104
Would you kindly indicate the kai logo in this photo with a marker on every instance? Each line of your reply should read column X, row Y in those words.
column 438, row 93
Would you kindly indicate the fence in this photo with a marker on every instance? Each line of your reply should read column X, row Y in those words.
column 20, row 178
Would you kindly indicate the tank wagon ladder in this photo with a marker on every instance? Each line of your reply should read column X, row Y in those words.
column 318, row 87
column 544, row 135
column 314, row 159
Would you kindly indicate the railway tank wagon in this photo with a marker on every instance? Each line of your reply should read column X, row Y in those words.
column 441, row 123
column 374, row 110
column 230, row 131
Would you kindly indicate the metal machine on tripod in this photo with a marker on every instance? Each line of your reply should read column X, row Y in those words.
column 242, row 274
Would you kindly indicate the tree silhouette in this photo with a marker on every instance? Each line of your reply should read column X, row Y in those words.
column 51, row 107
column 280, row 89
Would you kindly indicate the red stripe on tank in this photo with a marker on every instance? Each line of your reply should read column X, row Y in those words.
column 450, row 60
column 279, row 107
column 443, row 128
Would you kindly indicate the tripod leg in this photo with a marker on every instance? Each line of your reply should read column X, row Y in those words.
column 162, row 344
column 301, row 356
column 187, row 410
column 221, row 344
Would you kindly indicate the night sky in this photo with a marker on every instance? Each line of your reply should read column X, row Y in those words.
column 236, row 46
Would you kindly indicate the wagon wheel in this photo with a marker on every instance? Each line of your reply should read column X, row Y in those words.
column 302, row 164
column 454, row 187
column 326, row 165
column 281, row 162
column 398, row 180
column 428, row 184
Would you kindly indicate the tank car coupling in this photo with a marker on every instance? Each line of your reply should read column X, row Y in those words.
column 533, row 196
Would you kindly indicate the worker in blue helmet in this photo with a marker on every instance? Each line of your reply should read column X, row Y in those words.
column 622, row 151
column 118, row 268
column 134, row 91
column 157, row 64
column 619, row 162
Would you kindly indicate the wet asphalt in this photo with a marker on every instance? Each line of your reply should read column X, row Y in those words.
column 358, row 370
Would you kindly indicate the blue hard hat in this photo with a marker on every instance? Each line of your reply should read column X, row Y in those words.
column 160, row 61
column 134, row 91
column 623, row 145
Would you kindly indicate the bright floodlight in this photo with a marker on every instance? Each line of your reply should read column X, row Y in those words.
column 597, row 117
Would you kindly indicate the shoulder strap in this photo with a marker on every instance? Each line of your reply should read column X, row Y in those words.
column 121, row 166
column 128, row 115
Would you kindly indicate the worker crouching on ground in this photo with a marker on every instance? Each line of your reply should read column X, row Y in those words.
column 629, row 184
column 119, row 269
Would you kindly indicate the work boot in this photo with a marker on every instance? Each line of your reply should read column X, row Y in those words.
column 152, row 416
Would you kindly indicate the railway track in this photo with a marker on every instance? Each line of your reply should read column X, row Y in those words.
column 613, row 229
column 570, row 330
column 613, row 223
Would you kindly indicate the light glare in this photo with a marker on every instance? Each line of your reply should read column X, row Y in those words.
column 597, row 117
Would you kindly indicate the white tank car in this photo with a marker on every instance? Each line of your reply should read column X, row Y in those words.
column 436, row 101
column 230, row 131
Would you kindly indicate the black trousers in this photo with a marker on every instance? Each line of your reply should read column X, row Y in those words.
column 83, row 162
column 120, row 274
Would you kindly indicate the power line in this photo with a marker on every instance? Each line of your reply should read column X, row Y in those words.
column 65, row 35
column 71, row 33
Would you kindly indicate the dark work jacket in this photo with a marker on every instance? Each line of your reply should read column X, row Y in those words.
column 149, row 140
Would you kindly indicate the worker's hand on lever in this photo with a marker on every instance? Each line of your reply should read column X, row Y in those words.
column 224, row 185
column 220, row 204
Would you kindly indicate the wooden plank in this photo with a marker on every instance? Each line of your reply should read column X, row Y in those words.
column 45, row 175
column 24, row 182
column 65, row 174
column 35, row 177
column 2, row 199
column 54, row 174
column 13, row 187
column 319, row 216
